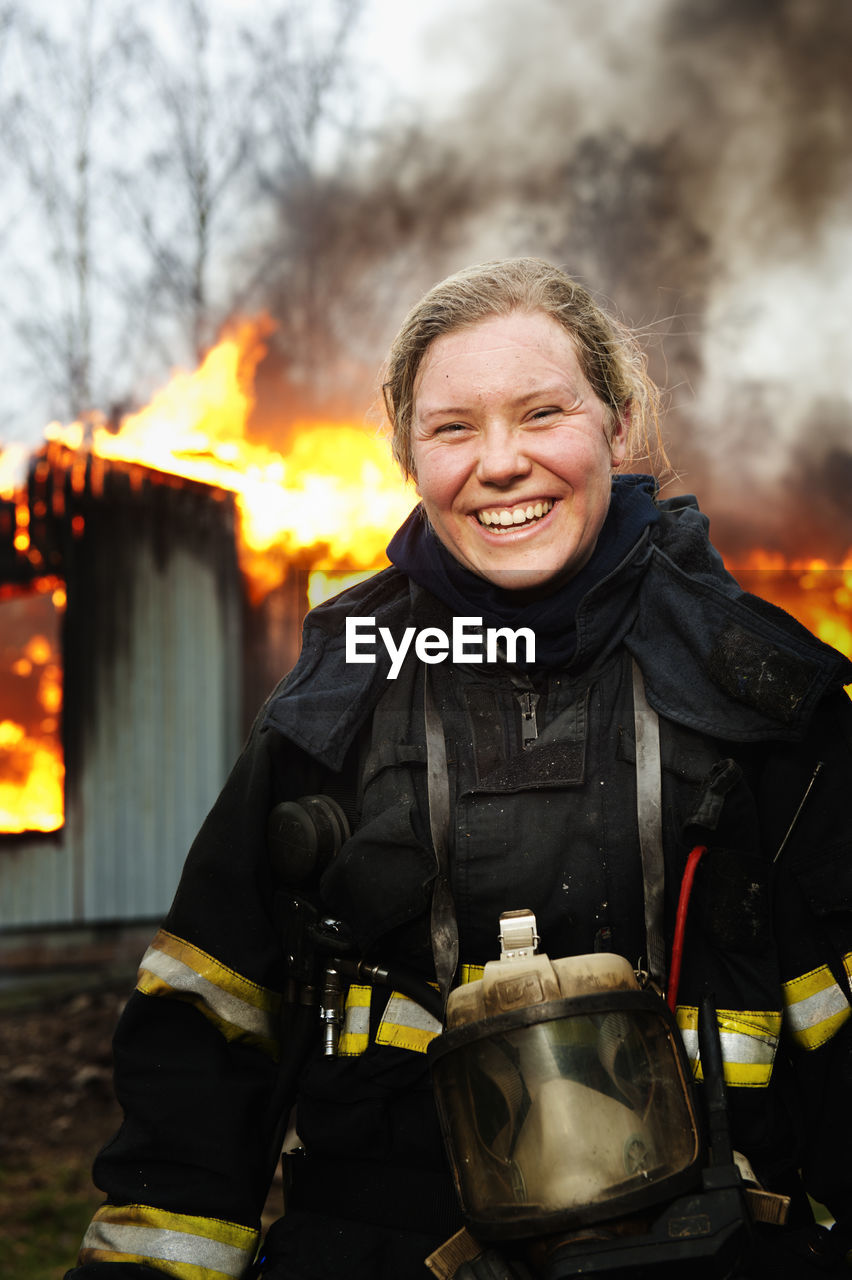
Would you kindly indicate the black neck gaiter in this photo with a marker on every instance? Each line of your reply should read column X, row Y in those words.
column 419, row 553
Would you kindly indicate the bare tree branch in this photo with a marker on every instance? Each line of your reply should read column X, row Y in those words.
column 52, row 133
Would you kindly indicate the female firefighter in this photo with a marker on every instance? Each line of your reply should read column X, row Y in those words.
column 463, row 735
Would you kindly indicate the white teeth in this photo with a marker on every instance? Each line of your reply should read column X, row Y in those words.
column 505, row 517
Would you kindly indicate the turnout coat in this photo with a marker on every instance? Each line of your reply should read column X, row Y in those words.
column 756, row 763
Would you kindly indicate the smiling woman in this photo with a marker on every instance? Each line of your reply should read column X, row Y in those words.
column 408, row 791
column 513, row 451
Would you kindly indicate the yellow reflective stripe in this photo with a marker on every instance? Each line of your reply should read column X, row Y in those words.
column 355, row 1032
column 406, row 1025
column 177, row 1244
column 816, row 1006
column 241, row 1009
column 749, row 1041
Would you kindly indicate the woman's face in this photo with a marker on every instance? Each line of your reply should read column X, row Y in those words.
column 511, row 454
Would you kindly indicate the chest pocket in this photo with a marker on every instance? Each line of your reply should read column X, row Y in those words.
column 556, row 758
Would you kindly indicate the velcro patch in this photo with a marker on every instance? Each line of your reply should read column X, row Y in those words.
column 755, row 672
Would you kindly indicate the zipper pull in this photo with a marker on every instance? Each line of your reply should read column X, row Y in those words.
column 529, row 728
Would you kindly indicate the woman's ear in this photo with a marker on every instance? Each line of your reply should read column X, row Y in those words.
column 619, row 437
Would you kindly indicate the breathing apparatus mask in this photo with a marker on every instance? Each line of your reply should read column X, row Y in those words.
column 563, row 1093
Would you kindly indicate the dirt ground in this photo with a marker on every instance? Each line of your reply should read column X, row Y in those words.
column 57, row 1107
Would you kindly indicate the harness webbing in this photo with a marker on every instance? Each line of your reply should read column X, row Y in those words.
column 649, row 808
column 444, row 925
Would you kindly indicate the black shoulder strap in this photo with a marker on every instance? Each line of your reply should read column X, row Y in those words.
column 444, row 925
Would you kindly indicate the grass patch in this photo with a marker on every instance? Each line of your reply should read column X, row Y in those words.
column 44, row 1211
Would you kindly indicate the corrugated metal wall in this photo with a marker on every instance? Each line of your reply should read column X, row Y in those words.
column 152, row 708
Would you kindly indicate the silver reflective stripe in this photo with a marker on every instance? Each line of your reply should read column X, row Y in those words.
column 167, row 1246
column 736, row 1047
column 356, row 1021
column 817, row 1006
column 229, row 1008
column 405, row 1025
column 804, row 1015
column 749, row 1041
column 403, row 1012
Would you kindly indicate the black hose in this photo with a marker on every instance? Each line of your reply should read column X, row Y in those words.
column 710, row 1048
column 397, row 978
column 298, row 1036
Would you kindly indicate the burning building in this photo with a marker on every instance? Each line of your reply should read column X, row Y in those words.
column 120, row 617
column 152, row 585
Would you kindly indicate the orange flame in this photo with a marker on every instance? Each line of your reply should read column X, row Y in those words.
column 32, row 771
column 335, row 491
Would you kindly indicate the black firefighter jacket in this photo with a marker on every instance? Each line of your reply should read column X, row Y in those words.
column 753, row 719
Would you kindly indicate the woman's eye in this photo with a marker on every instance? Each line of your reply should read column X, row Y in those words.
column 540, row 415
column 450, row 428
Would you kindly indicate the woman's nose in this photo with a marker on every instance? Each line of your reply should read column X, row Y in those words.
column 501, row 458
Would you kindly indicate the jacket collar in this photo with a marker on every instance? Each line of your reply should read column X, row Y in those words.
column 715, row 659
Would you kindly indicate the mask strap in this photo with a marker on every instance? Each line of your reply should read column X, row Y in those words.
column 444, row 926
column 649, row 809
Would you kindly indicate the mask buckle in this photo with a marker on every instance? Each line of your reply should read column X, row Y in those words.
column 518, row 935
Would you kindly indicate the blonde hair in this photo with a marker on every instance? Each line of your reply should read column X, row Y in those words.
column 608, row 352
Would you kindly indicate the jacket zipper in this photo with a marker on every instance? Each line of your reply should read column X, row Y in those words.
column 529, row 728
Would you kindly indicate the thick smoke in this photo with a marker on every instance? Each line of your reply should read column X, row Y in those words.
column 690, row 161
